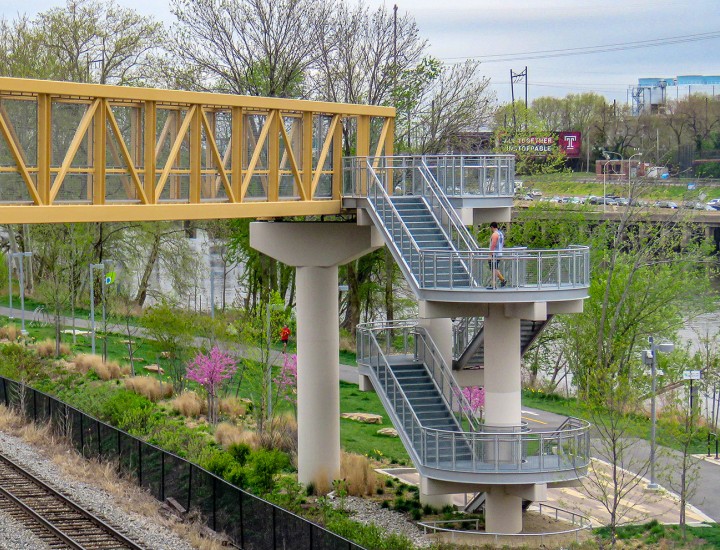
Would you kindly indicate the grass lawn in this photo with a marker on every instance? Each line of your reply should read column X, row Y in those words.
column 356, row 437
column 635, row 425
column 584, row 183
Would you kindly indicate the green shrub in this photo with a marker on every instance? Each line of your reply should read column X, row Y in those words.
column 220, row 463
column 122, row 401
column 264, row 465
column 241, row 452
column 416, row 514
column 237, row 475
column 369, row 536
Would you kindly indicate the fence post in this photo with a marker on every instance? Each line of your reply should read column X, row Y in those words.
column 82, row 434
column 140, row 463
column 97, row 423
column 34, row 405
column 274, row 527
column 214, row 502
column 242, row 520
column 162, row 476
column 189, row 488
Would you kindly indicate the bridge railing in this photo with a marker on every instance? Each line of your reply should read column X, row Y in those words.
column 456, row 175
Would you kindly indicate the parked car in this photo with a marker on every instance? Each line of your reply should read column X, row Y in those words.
column 666, row 204
column 602, row 200
column 697, row 205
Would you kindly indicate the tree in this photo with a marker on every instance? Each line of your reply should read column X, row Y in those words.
column 680, row 423
column 173, row 329
column 363, row 56
column 84, row 41
column 249, row 47
column 211, row 371
column 459, row 100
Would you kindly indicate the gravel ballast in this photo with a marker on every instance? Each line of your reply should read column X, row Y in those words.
column 141, row 529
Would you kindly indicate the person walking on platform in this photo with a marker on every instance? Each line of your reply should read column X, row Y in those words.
column 497, row 240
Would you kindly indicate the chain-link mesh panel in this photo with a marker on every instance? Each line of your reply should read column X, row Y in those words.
column 228, row 518
column 291, row 530
column 151, row 469
column 109, row 442
column 201, row 494
column 91, row 437
column 257, row 517
column 177, row 479
column 129, row 456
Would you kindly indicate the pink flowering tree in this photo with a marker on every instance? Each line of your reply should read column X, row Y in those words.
column 210, row 371
column 286, row 381
column 475, row 396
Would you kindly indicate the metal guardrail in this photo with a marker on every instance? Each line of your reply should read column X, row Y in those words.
column 473, row 175
column 249, row 521
column 464, row 330
column 457, row 175
column 471, row 451
column 554, row 269
column 578, row 522
column 406, row 338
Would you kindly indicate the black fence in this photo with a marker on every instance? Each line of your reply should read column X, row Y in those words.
column 250, row 522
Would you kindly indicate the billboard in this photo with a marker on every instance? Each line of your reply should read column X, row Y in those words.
column 569, row 143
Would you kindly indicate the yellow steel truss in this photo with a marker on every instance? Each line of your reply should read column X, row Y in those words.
column 83, row 152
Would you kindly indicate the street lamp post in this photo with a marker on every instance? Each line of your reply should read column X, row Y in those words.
column 92, row 303
column 105, row 283
column 630, row 172
column 22, row 256
column 213, row 272
column 607, row 154
column 10, row 267
column 651, row 357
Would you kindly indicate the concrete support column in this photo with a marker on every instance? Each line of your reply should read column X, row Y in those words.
column 434, row 493
column 503, row 511
column 440, row 330
column 316, row 249
column 502, row 369
column 318, row 380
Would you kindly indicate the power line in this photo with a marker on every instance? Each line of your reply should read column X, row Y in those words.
column 544, row 54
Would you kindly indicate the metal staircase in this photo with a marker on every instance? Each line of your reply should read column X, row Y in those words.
column 469, row 338
column 442, row 262
column 437, row 426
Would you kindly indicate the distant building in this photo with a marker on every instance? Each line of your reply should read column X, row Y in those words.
column 651, row 94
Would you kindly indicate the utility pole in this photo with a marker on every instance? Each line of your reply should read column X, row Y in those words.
column 516, row 77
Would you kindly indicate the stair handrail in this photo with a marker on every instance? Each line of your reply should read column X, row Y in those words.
column 463, row 334
column 397, row 388
column 463, row 235
column 446, row 377
column 376, row 185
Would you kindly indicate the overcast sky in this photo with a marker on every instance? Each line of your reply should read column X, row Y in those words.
column 491, row 30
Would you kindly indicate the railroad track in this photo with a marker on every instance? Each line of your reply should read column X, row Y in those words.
column 52, row 517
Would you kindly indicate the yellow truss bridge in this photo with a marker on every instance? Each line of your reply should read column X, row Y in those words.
column 91, row 153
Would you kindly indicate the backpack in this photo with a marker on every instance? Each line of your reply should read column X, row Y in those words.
column 501, row 241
